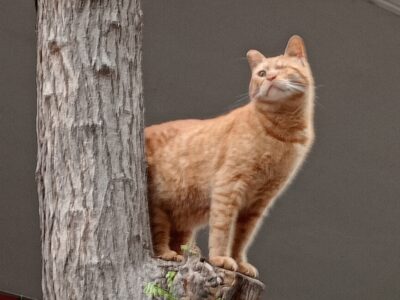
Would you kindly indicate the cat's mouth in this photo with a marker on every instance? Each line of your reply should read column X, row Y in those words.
column 273, row 86
column 271, row 91
column 279, row 90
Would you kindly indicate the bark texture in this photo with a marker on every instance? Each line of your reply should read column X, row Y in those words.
column 96, row 241
column 90, row 167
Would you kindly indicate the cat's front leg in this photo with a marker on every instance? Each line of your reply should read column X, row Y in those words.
column 224, row 209
column 247, row 223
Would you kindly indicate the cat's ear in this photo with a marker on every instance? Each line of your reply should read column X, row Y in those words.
column 254, row 57
column 295, row 47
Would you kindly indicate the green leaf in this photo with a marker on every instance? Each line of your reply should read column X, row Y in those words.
column 185, row 248
column 152, row 289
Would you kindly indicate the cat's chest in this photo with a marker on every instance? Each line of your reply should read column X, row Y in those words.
column 279, row 163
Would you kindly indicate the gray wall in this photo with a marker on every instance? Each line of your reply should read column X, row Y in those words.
column 20, row 264
column 335, row 233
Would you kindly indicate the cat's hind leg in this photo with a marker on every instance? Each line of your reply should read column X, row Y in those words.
column 161, row 231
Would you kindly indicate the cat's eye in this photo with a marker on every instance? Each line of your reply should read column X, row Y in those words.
column 262, row 73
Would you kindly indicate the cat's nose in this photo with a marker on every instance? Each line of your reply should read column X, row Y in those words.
column 271, row 76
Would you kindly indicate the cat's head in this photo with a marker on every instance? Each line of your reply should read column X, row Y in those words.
column 281, row 78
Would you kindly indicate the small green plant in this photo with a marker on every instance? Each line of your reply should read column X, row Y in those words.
column 153, row 289
column 170, row 279
column 185, row 248
column 189, row 250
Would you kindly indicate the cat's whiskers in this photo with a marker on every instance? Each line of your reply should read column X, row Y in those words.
column 242, row 95
column 300, row 87
column 317, row 103
column 241, row 99
column 316, row 97
column 293, row 86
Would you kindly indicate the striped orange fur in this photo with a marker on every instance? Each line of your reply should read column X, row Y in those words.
column 227, row 171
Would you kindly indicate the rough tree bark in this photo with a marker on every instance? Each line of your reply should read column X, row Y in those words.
column 96, row 240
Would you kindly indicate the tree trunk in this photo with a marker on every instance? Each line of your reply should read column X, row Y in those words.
column 96, row 241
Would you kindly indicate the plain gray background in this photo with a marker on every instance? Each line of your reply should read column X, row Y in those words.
column 335, row 233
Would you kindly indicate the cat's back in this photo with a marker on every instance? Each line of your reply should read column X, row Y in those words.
column 168, row 130
column 159, row 135
column 188, row 134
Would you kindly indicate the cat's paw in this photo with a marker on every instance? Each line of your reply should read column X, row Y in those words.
column 247, row 269
column 170, row 255
column 225, row 262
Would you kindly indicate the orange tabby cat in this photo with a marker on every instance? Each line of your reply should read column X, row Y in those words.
column 228, row 170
